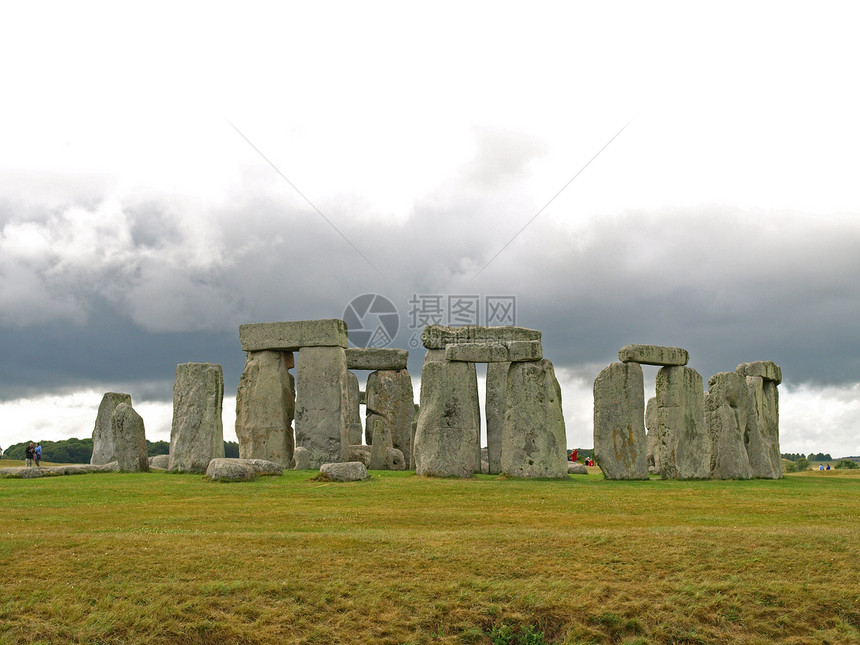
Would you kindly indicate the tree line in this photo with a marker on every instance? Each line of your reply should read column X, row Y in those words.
column 79, row 451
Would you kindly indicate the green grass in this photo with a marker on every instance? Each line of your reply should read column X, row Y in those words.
column 159, row 558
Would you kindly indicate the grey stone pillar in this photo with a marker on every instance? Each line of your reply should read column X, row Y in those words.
column 103, row 448
column 265, row 406
column 197, row 435
column 353, row 421
column 652, row 436
column 620, row 448
column 685, row 448
column 731, row 423
column 533, row 434
column 390, row 398
column 129, row 439
column 322, row 405
column 497, row 403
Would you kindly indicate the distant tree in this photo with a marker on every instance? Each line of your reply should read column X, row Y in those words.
column 802, row 464
column 154, row 448
column 847, row 464
column 231, row 449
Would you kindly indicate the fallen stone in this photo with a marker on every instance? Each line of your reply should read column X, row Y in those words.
column 229, row 470
column 390, row 398
column 768, row 370
column 83, row 469
column 103, row 449
column 292, row 336
column 350, row 471
column 619, row 429
column 129, row 439
column 21, row 472
column 575, row 468
column 376, row 358
column 301, row 459
column 360, row 453
column 763, row 446
column 449, row 421
column 159, row 461
column 265, row 406
column 653, row 355
column 439, row 336
column 197, row 435
column 495, row 406
column 322, row 404
column 264, row 467
column 505, row 352
column 730, row 419
column 685, row 447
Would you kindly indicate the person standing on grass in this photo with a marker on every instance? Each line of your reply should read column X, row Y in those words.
column 37, row 453
column 29, row 453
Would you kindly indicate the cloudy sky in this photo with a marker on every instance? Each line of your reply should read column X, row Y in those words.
column 168, row 172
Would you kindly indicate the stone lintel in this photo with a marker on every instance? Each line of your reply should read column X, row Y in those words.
column 516, row 351
column 768, row 370
column 653, row 355
column 293, row 335
column 439, row 336
column 376, row 358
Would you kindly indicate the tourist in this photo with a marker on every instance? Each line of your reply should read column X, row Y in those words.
column 820, row 466
column 29, row 453
column 828, row 467
column 37, row 453
column 573, row 455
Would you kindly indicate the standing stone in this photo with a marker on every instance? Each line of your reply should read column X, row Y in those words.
column 730, row 419
column 301, row 459
column 533, row 435
column 197, row 435
column 685, row 448
column 620, row 448
column 497, row 385
column 265, row 406
column 353, row 421
column 103, row 448
column 652, row 436
column 381, row 443
column 763, row 447
column 411, row 461
column 129, row 439
column 322, row 404
column 390, row 398
column 449, row 423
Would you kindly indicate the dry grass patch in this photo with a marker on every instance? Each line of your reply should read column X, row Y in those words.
column 160, row 558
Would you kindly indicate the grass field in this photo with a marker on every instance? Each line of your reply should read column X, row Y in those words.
column 159, row 558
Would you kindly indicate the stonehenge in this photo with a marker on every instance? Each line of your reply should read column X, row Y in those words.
column 197, row 434
column 732, row 432
column 525, row 423
column 103, row 438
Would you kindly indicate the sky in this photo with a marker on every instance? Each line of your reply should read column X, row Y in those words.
column 668, row 173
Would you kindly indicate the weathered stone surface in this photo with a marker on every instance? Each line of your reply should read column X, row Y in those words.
column 434, row 356
column 359, row 453
column 395, row 460
column 576, row 468
column 301, row 459
column 533, row 435
column 353, row 410
column 653, row 355
column 229, row 470
column 768, row 370
column 390, row 398
column 362, row 397
column 293, row 335
column 730, row 419
column 103, row 449
column 438, row 336
column 449, row 421
column 322, row 404
column 197, row 435
column 129, row 439
column 652, row 434
column 82, row 469
column 411, row 461
column 350, row 471
column 381, row 443
column 496, row 404
column 685, row 447
column 265, row 406
column 504, row 352
column 620, row 448
column 22, row 472
column 376, row 358
column 264, row 467
column 763, row 446
column 159, row 461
